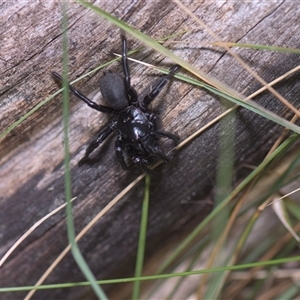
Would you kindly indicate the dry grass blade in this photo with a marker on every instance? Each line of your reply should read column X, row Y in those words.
column 238, row 59
column 29, row 231
column 83, row 232
column 267, row 86
column 118, row 197
column 284, row 196
column 280, row 211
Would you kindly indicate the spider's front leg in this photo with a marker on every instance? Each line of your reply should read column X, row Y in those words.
column 102, row 136
column 130, row 90
column 169, row 135
column 156, row 89
column 161, row 133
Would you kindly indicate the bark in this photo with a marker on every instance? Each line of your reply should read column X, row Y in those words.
column 32, row 170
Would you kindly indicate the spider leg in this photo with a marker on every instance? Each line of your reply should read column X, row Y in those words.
column 143, row 164
column 159, row 153
column 171, row 136
column 89, row 102
column 152, row 146
column 120, row 149
column 102, row 136
column 159, row 86
column 155, row 121
column 168, row 135
column 130, row 90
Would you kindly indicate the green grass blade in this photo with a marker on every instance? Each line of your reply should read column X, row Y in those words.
column 142, row 240
column 70, row 222
column 283, row 147
column 261, row 47
column 225, row 92
column 154, row 45
column 223, row 187
column 249, row 104
column 4, row 133
column 256, row 108
column 154, row 277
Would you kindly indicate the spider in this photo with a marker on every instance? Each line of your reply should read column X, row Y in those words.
column 137, row 128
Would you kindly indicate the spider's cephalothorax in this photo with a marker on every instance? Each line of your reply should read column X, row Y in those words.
column 136, row 126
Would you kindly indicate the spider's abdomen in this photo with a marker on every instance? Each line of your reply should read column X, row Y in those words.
column 133, row 124
column 113, row 90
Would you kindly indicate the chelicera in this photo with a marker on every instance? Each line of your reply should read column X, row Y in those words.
column 136, row 126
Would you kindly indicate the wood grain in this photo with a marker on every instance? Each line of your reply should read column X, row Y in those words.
column 32, row 180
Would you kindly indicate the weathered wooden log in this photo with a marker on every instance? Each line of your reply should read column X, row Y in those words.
column 32, row 180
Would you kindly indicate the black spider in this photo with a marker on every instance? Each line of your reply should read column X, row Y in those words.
column 136, row 126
